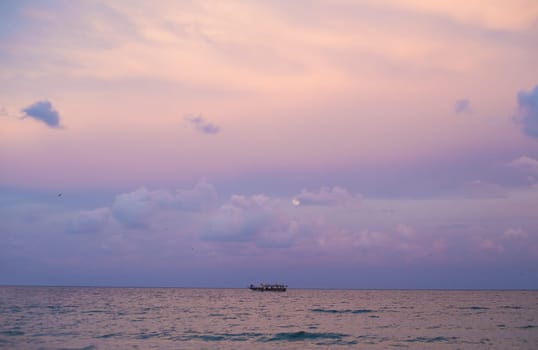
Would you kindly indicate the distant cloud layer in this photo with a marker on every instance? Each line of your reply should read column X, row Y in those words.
column 462, row 106
column 528, row 109
column 44, row 112
column 481, row 189
column 202, row 125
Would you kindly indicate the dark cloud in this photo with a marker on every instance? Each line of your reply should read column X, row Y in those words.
column 462, row 106
column 202, row 125
column 44, row 112
column 528, row 111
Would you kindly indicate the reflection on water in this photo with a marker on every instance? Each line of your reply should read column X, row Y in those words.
column 168, row 318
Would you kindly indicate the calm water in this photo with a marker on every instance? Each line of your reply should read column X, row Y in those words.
column 141, row 318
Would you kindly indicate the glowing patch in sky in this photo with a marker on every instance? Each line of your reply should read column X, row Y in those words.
column 295, row 202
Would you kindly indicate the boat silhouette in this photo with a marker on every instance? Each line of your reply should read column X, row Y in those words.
column 274, row 287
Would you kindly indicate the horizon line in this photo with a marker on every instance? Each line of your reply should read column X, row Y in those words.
column 246, row 288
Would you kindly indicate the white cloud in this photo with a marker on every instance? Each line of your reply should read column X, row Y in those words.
column 202, row 197
column 89, row 221
column 135, row 209
column 326, row 196
column 525, row 163
column 258, row 218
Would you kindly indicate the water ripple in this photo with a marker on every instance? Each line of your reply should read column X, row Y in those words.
column 346, row 311
column 52, row 318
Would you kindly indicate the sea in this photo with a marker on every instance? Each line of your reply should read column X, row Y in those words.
column 91, row 318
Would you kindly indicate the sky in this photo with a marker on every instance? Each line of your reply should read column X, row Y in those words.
column 321, row 144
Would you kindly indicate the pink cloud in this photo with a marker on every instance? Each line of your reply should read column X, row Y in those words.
column 515, row 233
column 490, row 245
column 405, row 231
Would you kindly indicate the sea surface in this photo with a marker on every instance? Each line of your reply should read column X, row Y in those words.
column 176, row 318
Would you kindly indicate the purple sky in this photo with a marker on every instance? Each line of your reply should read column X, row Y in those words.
column 331, row 144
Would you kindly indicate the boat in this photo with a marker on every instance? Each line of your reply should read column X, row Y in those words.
column 275, row 287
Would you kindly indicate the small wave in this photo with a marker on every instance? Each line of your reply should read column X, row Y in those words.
column 220, row 337
column 208, row 337
column 361, row 311
column 147, row 310
column 474, row 308
column 371, row 339
column 242, row 336
column 346, row 311
column 93, row 312
column 430, row 340
column 302, row 335
column 12, row 332
column 149, row 335
column 511, row 307
column 287, row 326
column 109, row 335
column 529, row 326
column 89, row 347
column 15, row 309
column 54, row 307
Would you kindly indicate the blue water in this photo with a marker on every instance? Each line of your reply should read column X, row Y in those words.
column 168, row 318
